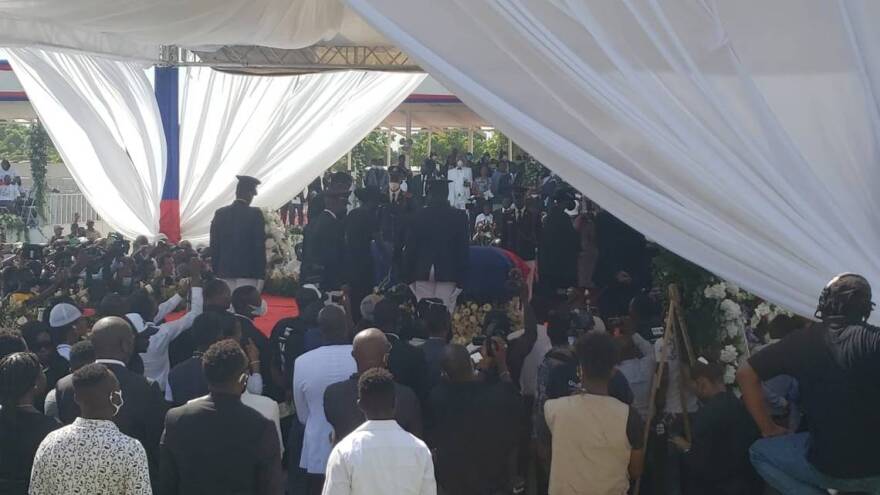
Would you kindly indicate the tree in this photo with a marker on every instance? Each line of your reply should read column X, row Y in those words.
column 370, row 148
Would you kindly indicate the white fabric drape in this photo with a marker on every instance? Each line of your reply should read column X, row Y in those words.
column 742, row 135
column 283, row 130
column 138, row 28
column 103, row 118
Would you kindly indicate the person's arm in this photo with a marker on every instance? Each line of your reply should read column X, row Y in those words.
column 168, row 307
column 268, row 476
column 215, row 243
column 258, row 237
column 429, row 484
column 635, row 430
column 643, row 346
column 520, row 348
column 338, row 481
column 753, row 397
column 138, row 476
column 169, row 476
column 172, row 329
column 275, row 416
column 299, row 396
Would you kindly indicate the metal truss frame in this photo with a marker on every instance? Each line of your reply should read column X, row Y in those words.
column 317, row 58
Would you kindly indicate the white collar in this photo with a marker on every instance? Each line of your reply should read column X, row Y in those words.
column 330, row 212
column 110, row 361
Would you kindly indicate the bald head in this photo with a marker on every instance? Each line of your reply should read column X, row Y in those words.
column 457, row 364
column 333, row 324
column 112, row 338
column 370, row 349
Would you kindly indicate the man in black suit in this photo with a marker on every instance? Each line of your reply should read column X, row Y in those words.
column 361, row 228
column 520, row 227
column 238, row 239
column 394, row 216
column 216, row 444
column 559, row 247
column 143, row 410
column 324, row 244
column 436, row 254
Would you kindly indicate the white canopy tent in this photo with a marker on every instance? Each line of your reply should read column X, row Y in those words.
column 741, row 135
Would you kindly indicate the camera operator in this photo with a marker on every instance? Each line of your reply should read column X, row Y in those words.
column 473, row 422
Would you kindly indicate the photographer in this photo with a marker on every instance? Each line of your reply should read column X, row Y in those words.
column 145, row 313
column 472, row 424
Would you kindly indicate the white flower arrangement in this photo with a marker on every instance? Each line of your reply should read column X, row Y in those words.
column 729, row 354
column 717, row 291
column 280, row 259
column 729, row 374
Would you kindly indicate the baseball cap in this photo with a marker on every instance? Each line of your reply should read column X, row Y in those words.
column 64, row 314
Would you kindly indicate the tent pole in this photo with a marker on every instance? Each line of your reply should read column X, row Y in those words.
column 430, row 138
column 407, row 148
column 509, row 149
column 388, row 148
column 470, row 140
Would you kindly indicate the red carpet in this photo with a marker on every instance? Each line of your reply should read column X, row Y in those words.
column 279, row 308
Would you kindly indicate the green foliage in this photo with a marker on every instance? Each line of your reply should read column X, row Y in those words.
column 370, row 148
column 700, row 313
column 14, row 139
column 39, row 142
column 12, row 224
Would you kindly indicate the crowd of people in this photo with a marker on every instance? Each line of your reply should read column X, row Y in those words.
column 144, row 371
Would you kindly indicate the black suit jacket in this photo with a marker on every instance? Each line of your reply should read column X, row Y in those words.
column 238, row 242
column 216, row 444
column 141, row 416
column 408, row 365
column 361, row 226
column 324, row 251
column 560, row 245
column 438, row 237
column 394, row 220
column 520, row 236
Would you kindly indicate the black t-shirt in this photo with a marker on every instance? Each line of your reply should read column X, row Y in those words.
column 838, row 372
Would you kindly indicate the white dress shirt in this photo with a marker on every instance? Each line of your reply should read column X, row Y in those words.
column 90, row 456
column 639, row 372
column 458, row 192
column 673, row 396
column 528, row 378
column 380, row 457
column 313, row 372
column 156, row 363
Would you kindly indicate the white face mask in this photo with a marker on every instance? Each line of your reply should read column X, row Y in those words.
column 261, row 309
column 459, row 163
column 116, row 401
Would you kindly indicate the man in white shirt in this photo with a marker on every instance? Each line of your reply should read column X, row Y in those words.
column 460, row 179
column 637, row 364
column 313, row 372
column 145, row 311
column 379, row 456
column 6, row 170
column 92, row 455
column 9, row 192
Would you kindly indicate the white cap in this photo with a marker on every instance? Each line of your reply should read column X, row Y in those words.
column 64, row 314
